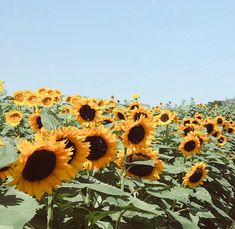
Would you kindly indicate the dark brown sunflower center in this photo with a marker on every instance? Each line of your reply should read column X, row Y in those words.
column 216, row 134
column 138, row 115
column 186, row 122
column 230, row 130
column 190, row 145
column 5, row 169
column 197, row 175
column 195, row 122
column 136, row 134
column 209, row 128
column 106, row 121
column 39, row 122
column 219, row 121
column 98, row 147
column 120, row 116
column 221, row 140
column 68, row 144
column 138, row 170
column 164, row 118
column 87, row 113
column 134, row 106
column 39, row 165
column 188, row 130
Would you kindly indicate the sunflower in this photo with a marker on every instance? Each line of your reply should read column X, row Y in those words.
column 133, row 105
column 65, row 109
column 149, row 172
column 6, row 171
column 120, row 114
column 42, row 91
column 102, row 148
column 188, row 128
column 35, row 121
column 42, row 165
column 31, row 99
column 138, row 134
column 1, row 86
column 18, row 97
column 190, row 145
column 107, row 120
column 13, row 117
column 210, row 125
column 198, row 116
column 221, row 140
column 87, row 112
column 136, row 113
column 165, row 117
column 186, row 120
column 47, row 101
column 229, row 127
column 80, row 149
column 195, row 176
column 75, row 99
column 219, row 120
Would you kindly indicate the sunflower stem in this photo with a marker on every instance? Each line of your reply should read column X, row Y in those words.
column 123, row 172
column 50, row 211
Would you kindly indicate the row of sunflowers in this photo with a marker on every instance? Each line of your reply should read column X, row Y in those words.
column 79, row 162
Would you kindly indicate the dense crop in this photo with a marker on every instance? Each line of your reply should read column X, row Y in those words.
column 78, row 162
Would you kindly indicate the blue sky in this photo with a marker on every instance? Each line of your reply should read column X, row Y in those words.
column 166, row 50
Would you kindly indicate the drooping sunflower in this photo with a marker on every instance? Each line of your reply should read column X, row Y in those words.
column 222, row 140
column 80, row 149
column 136, row 113
column 138, row 134
column 42, row 165
column 87, row 112
column 102, row 148
column 35, row 121
column 190, row 145
column 196, row 175
column 13, row 117
column 165, row 117
column 149, row 172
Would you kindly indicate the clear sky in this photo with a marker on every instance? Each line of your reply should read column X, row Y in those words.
column 163, row 49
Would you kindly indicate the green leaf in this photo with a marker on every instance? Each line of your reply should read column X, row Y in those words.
column 202, row 194
column 8, row 155
column 16, row 209
column 177, row 193
column 50, row 120
column 148, row 162
column 186, row 223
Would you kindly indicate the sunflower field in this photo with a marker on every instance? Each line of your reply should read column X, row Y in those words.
column 77, row 162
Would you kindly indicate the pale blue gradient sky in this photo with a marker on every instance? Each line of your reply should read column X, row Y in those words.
column 163, row 49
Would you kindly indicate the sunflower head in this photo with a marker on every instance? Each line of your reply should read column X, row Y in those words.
column 47, row 101
column 135, row 114
column 196, row 175
column 190, row 145
column 87, row 112
column 35, row 121
column 150, row 172
column 165, row 117
column 42, row 165
column 119, row 113
column 13, row 117
column 102, row 147
column 219, row 120
column 75, row 141
column 209, row 125
column 138, row 134
column 18, row 97
column 222, row 140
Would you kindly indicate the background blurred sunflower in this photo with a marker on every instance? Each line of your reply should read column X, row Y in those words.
column 13, row 117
